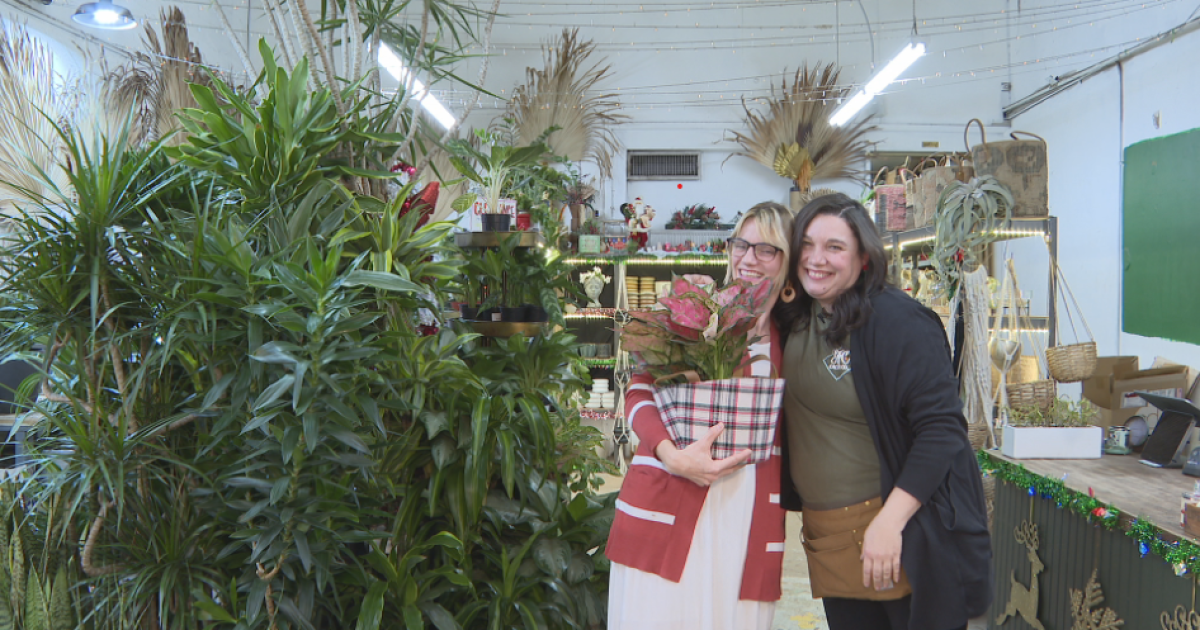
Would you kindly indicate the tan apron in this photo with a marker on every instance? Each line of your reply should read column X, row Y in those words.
column 833, row 543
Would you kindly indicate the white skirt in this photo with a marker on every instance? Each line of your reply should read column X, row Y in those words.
column 706, row 597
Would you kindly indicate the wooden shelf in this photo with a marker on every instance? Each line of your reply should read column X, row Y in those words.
column 492, row 239
column 592, row 313
column 506, row 329
column 1009, row 229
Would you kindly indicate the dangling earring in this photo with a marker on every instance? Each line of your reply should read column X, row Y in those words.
column 865, row 265
column 788, row 293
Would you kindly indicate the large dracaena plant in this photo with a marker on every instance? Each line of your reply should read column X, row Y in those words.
column 274, row 150
column 241, row 414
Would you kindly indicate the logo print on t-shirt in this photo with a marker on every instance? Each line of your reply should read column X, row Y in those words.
column 838, row 363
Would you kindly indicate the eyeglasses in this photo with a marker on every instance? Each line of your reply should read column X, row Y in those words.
column 765, row 252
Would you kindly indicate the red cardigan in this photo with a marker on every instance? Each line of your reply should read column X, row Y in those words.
column 657, row 511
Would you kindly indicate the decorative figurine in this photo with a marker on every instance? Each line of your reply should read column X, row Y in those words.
column 593, row 283
column 639, row 224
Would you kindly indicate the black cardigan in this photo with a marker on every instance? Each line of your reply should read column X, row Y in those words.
column 902, row 374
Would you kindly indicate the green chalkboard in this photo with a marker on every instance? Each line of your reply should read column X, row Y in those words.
column 1161, row 237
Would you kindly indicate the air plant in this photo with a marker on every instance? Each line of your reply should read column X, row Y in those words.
column 794, row 137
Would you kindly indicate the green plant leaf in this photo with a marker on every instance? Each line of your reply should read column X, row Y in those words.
column 37, row 616
column 273, row 391
column 381, row 280
column 441, row 618
column 371, row 613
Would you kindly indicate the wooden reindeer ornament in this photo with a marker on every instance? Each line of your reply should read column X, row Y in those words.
column 1024, row 600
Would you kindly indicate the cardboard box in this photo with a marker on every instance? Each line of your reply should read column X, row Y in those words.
column 1099, row 387
column 1168, row 381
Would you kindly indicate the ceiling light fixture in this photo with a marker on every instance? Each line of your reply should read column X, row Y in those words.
column 104, row 14
column 395, row 67
column 878, row 83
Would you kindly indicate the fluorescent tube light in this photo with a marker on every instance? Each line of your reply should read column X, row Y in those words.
column 395, row 67
column 878, row 83
column 852, row 107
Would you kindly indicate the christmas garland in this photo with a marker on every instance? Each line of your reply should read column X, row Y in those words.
column 1182, row 555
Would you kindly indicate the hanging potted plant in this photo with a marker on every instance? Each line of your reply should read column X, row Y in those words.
column 491, row 169
column 968, row 215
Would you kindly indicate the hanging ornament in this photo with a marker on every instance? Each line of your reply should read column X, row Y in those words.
column 1183, row 619
column 1083, row 604
column 1143, row 548
column 1180, row 569
column 1024, row 600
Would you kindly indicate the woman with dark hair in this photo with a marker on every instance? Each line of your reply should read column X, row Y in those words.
column 697, row 543
column 875, row 442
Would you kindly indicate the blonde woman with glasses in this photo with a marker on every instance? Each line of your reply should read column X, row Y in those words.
column 697, row 543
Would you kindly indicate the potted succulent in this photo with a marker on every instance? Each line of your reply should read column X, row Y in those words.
column 1062, row 431
column 492, row 170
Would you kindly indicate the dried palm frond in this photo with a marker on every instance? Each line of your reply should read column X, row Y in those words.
column 31, row 104
column 558, row 96
column 794, row 137
column 155, row 84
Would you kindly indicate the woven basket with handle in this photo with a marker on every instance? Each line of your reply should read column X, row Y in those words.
column 1073, row 362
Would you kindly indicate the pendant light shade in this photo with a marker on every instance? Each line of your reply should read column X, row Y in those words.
column 104, row 14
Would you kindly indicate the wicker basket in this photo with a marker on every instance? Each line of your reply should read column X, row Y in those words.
column 1039, row 394
column 1072, row 363
column 977, row 433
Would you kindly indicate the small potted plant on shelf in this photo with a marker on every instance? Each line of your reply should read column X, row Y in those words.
column 492, row 170
column 579, row 197
column 1061, row 431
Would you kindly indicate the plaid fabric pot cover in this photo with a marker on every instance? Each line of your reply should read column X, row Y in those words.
column 749, row 408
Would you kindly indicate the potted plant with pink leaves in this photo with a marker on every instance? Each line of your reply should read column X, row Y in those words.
column 694, row 343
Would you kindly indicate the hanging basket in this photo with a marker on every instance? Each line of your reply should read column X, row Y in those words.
column 977, row 433
column 1039, row 394
column 1072, row 363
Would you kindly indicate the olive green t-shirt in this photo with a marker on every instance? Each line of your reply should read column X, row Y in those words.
column 831, row 456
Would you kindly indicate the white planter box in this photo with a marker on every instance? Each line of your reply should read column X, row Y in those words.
column 1052, row 442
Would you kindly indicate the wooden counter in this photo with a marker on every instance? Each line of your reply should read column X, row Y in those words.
column 1137, row 490
column 1139, row 587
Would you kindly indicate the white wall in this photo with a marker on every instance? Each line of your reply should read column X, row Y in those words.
column 1087, row 135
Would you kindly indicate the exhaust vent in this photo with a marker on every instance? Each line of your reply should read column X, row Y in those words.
column 663, row 165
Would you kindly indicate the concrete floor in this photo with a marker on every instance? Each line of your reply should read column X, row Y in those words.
column 797, row 610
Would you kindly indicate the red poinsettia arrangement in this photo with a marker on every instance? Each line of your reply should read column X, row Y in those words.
column 699, row 328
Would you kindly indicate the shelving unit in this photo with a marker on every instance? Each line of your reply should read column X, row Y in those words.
column 485, row 240
column 616, row 315
column 912, row 243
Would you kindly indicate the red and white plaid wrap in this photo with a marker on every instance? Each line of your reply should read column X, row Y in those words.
column 748, row 407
